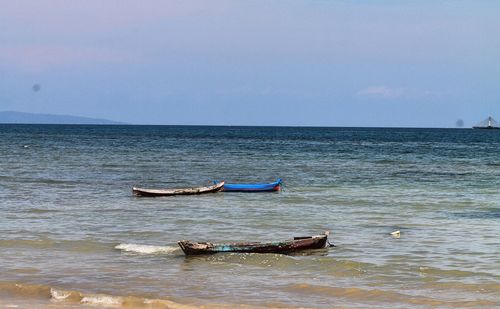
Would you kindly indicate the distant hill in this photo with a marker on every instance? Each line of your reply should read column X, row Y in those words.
column 31, row 118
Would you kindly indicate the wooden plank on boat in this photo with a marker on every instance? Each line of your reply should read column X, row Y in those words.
column 169, row 192
column 297, row 244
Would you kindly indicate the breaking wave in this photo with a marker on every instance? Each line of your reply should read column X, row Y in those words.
column 52, row 297
column 147, row 249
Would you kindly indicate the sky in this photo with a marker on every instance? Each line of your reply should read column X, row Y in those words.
column 385, row 63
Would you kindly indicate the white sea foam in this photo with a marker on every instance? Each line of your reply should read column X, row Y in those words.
column 147, row 249
column 102, row 300
column 59, row 294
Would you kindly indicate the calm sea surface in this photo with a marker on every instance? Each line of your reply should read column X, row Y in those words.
column 71, row 233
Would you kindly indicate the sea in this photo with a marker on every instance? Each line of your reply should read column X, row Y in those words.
column 73, row 235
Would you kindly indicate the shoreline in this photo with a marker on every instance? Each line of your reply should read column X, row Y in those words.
column 27, row 295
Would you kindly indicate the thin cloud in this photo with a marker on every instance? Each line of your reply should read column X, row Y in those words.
column 392, row 93
column 382, row 92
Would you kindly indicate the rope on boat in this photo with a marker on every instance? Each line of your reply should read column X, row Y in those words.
column 283, row 186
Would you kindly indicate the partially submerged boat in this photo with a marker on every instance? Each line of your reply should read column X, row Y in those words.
column 253, row 187
column 169, row 192
column 297, row 244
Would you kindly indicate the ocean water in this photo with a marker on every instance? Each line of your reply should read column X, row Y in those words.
column 72, row 234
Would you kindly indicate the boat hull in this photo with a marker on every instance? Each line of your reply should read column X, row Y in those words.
column 255, row 187
column 297, row 244
column 170, row 192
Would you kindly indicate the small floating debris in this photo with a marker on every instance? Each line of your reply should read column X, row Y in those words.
column 396, row 234
column 26, row 146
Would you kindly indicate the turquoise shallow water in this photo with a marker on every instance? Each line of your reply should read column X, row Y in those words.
column 69, row 220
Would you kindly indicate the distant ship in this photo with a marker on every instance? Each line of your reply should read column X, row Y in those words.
column 488, row 123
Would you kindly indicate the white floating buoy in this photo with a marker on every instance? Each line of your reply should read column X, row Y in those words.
column 396, row 234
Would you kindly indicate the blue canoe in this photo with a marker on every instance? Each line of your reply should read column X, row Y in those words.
column 252, row 187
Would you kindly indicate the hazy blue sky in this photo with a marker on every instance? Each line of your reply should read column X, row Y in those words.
column 325, row 63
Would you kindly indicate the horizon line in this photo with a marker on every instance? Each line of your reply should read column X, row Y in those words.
column 228, row 125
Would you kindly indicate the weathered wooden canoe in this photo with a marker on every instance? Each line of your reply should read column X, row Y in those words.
column 297, row 244
column 253, row 187
column 168, row 192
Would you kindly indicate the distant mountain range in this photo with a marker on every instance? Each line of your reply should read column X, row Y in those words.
column 31, row 118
